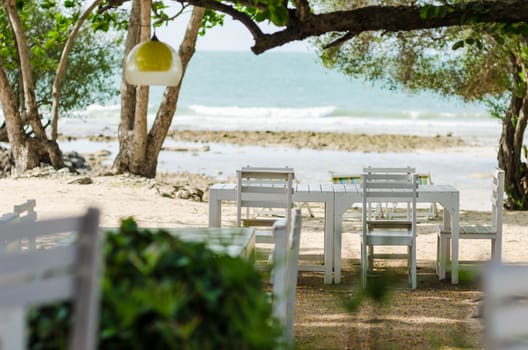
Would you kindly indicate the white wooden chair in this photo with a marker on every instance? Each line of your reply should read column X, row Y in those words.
column 38, row 276
column 259, row 188
column 493, row 231
column 284, row 273
column 505, row 307
column 21, row 212
column 377, row 232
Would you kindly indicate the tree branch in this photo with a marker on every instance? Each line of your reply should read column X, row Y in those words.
column 340, row 40
column 61, row 68
column 253, row 28
column 303, row 24
column 303, row 9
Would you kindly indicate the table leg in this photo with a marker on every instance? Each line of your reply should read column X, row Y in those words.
column 329, row 242
column 215, row 210
column 338, row 230
column 454, row 244
column 451, row 220
column 443, row 250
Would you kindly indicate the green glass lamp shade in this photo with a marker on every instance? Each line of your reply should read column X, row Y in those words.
column 153, row 63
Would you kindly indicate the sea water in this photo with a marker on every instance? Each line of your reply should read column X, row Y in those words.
column 293, row 91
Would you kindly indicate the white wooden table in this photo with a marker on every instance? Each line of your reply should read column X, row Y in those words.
column 447, row 196
column 323, row 193
column 234, row 241
column 337, row 198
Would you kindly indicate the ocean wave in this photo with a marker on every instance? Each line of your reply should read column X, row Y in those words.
column 263, row 112
column 105, row 113
column 406, row 114
column 294, row 113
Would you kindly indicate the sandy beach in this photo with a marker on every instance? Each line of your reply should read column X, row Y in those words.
column 149, row 202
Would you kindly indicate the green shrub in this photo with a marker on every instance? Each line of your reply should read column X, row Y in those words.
column 160, row 292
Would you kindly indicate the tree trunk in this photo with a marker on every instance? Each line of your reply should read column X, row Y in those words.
column 28, row 152
column 128, row 161
column 511, row 144
column 128, row 94
column 61, row 68
column 138, row 145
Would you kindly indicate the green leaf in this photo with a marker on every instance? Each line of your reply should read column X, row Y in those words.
column 458, row 45
column 278, row 15
column 47, row 4
column 262, row 15
column 427, row 11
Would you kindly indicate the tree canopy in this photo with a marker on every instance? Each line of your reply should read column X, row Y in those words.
column 92, row 65
column 299, row 19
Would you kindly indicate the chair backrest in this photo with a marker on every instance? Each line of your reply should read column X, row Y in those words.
column 389, row 170
column 68, row 270
column 284, row 273
column 497, row 200
column 505, row 306
column 396, row 187
column 264, row 188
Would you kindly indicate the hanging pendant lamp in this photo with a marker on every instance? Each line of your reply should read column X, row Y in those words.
column 153, row 63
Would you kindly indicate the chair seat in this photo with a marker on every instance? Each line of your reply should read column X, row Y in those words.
column 258, row 222
column 389, row 237
column 390, row 224
column 472, row 232
column 264, row 236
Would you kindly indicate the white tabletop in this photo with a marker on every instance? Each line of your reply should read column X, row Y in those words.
column 234, row 241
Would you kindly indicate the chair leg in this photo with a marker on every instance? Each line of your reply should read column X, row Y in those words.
column 435, row 210
column 370, row 258
column 413, row 265
column 364, row 263
column 409, row 266
column 496, row 250
column 437, row 265
column 444, row 256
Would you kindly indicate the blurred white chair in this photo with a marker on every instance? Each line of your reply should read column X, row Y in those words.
column 21, row 212
column 493, row 231
column 505, row 308
column 387, row 188
column 38, row 276
column 284, row 273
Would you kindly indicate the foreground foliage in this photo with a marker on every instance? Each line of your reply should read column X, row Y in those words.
column 160, row 292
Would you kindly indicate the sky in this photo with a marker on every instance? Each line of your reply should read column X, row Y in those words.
column 232, row 36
